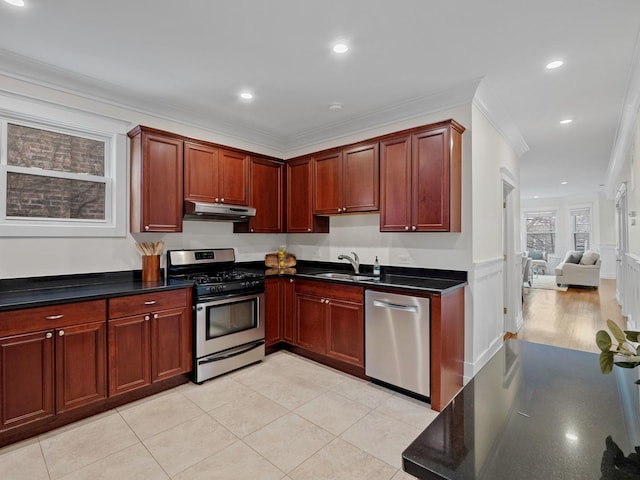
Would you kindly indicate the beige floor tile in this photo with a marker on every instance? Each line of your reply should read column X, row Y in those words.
column 248, row 414
column 237, row 462
column 342, row 461
column 332, row 412
column 216, row 392
column 367, row 393
column 408, row 410
column 133, row 463
column 72, row 449
column 290, row 392
column 402, row 475
column 23, row 461
column 288, row 441
column 382, row 436
column 189, row 443
column 150, row 418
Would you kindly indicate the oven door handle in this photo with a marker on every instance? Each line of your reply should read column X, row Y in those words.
column 233, row 353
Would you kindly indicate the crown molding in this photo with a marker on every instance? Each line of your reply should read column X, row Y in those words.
column 492, row 108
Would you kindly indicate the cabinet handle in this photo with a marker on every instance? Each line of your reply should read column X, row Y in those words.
column 155, row 315
column 413, row 228
column 406, row 227
column 54, row 317
column 146, row 318
column 150, row 302
column 146, row 227
column 49, row 335
column 61, row 333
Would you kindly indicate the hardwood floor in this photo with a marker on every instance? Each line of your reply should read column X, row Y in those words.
column 569, row 319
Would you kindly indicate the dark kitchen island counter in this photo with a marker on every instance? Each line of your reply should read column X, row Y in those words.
column 532, row 412
column 40, row 291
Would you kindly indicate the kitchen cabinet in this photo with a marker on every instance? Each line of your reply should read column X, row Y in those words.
column 156, row 181
column 150, row 339
column 329, row 320
column 347, row 180
column 265, row 195
column 52, row 360
column 421, row 179
column 299, row 217
column 273, row 299
column 215, row 175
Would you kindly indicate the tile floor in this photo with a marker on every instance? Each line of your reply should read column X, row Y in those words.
column 285, row 418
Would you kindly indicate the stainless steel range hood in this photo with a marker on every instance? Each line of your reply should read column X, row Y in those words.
column 217, row 211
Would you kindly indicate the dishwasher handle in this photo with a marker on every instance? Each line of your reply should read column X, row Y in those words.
column 396, row 306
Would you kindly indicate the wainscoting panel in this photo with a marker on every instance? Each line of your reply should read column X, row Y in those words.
column 608, row 257
column 631, row 296
column 484, row 328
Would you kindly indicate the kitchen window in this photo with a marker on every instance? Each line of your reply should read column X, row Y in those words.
column 61, row 179
column 540, row 228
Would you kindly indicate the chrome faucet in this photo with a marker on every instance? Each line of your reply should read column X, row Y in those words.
column 355, row 261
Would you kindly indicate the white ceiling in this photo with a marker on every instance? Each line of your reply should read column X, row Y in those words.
column 188, row 60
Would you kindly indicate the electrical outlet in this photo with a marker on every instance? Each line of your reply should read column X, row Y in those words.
column 404, row 259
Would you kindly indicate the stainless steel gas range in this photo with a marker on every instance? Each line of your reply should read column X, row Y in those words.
column 228, row 312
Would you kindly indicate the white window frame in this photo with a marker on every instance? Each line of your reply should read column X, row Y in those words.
column 576, row 208
column 46, row 116
column 525, row 232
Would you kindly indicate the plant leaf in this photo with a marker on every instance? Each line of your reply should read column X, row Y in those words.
column 627, row 364
column 632, row 336
column 603, row 340
column 616, row 330
column 606, row 362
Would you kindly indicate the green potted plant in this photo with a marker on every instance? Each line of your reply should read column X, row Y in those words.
column 627, row 349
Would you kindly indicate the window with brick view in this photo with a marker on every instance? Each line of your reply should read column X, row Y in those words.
column 55, row 175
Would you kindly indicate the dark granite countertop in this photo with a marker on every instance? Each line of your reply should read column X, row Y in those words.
column 40, row 291
column 403, row 278
column 532, row 412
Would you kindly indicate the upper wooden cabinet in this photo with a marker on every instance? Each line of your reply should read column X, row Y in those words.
column 265, row 195
column 215, row 175
column 421, row 179
column 156, row 181
column 300, row 218
column 346, row 180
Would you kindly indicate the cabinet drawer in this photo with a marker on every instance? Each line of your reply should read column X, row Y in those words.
column 349, row 293
column 147, row 302
column 51, row 316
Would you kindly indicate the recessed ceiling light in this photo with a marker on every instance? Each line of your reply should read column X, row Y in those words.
column 15, row 3
column 246, row 95
column 335, row 107
column 340, row 48
column 566, row 121
column 536, row 196
column 563, row 183
column 554, row 64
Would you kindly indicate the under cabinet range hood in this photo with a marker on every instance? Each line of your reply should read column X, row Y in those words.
column 217, row 211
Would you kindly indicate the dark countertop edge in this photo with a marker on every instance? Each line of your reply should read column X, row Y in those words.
column 69, row 288
column 308, row 269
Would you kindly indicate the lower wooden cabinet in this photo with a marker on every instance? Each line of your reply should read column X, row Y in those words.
column 150, row 345
column 52, row 370
column 329, row 320
column 273, row 298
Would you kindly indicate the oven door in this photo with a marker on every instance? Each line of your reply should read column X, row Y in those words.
column 226, row 323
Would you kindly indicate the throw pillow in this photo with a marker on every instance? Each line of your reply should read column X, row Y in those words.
column 535, row 254
column 589, row 258
column 574, row 258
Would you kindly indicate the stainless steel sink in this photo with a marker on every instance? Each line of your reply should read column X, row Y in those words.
column 345, row 276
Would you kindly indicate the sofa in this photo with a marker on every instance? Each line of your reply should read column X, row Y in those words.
column 578, row 268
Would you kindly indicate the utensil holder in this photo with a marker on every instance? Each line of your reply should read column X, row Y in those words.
column 151, row 268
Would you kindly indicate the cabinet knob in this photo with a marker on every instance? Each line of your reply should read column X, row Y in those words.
column 413, row 228
column 147, row 318
column 252, row 230
column 406, row 227
column 339, row 210
column 155, row 315
column 146, row 227
column 216, row 199
column 61, row 333
column 291, row 280
column 222, row 200
column 344, row 209
column 308, row 229
column 49, row 335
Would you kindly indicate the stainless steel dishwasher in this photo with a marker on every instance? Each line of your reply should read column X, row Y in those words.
column 397, row 340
